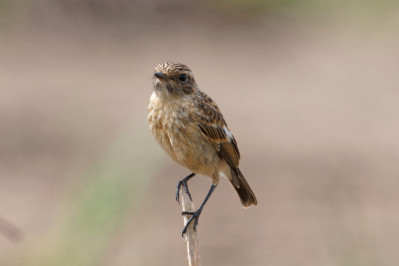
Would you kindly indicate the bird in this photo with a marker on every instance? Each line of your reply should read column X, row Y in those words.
column 190, row 128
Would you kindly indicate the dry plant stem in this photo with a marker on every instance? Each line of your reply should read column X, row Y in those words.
column 191, row 235
column 9, row 230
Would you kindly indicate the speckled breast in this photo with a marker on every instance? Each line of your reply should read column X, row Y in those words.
column 181, row 138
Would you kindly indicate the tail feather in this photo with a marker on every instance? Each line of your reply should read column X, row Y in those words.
column 243, row 189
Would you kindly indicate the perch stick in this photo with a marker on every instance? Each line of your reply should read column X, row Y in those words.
column 190, row 237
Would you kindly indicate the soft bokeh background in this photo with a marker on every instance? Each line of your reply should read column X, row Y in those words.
column 309, row 88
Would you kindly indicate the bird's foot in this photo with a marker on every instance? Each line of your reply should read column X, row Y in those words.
column 182, row 183
column 194, row 217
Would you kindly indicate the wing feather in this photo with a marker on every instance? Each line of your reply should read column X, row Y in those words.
column 215, row 129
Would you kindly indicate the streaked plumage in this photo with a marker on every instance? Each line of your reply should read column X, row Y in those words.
column 189, row 126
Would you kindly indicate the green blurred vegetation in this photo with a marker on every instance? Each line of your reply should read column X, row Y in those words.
column 95, row 211
column 319, row 6
column 7, row 11
column 122, row 9
column 313, row 9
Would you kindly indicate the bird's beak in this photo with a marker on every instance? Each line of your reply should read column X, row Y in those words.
column 160, row 75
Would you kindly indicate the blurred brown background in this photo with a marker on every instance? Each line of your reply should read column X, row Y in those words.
column 309, row 89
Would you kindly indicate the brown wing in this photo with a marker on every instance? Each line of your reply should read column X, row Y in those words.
column 214, row 127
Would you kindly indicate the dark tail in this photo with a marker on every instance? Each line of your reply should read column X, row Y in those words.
column 244, row 191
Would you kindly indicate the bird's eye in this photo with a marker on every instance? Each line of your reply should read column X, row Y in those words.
column 183, row 77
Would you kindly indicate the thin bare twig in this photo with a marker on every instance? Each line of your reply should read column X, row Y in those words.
column 190, row 237
column 9, row 230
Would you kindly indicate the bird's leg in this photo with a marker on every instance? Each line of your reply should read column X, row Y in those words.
column 183, row 183
column 195, row 215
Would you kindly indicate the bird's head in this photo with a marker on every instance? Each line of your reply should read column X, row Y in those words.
column 173, row 80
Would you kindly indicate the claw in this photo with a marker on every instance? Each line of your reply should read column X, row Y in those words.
column 194, row 216
column 183, row 183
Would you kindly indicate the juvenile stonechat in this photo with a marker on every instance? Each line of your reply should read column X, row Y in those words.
column 189, row 126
